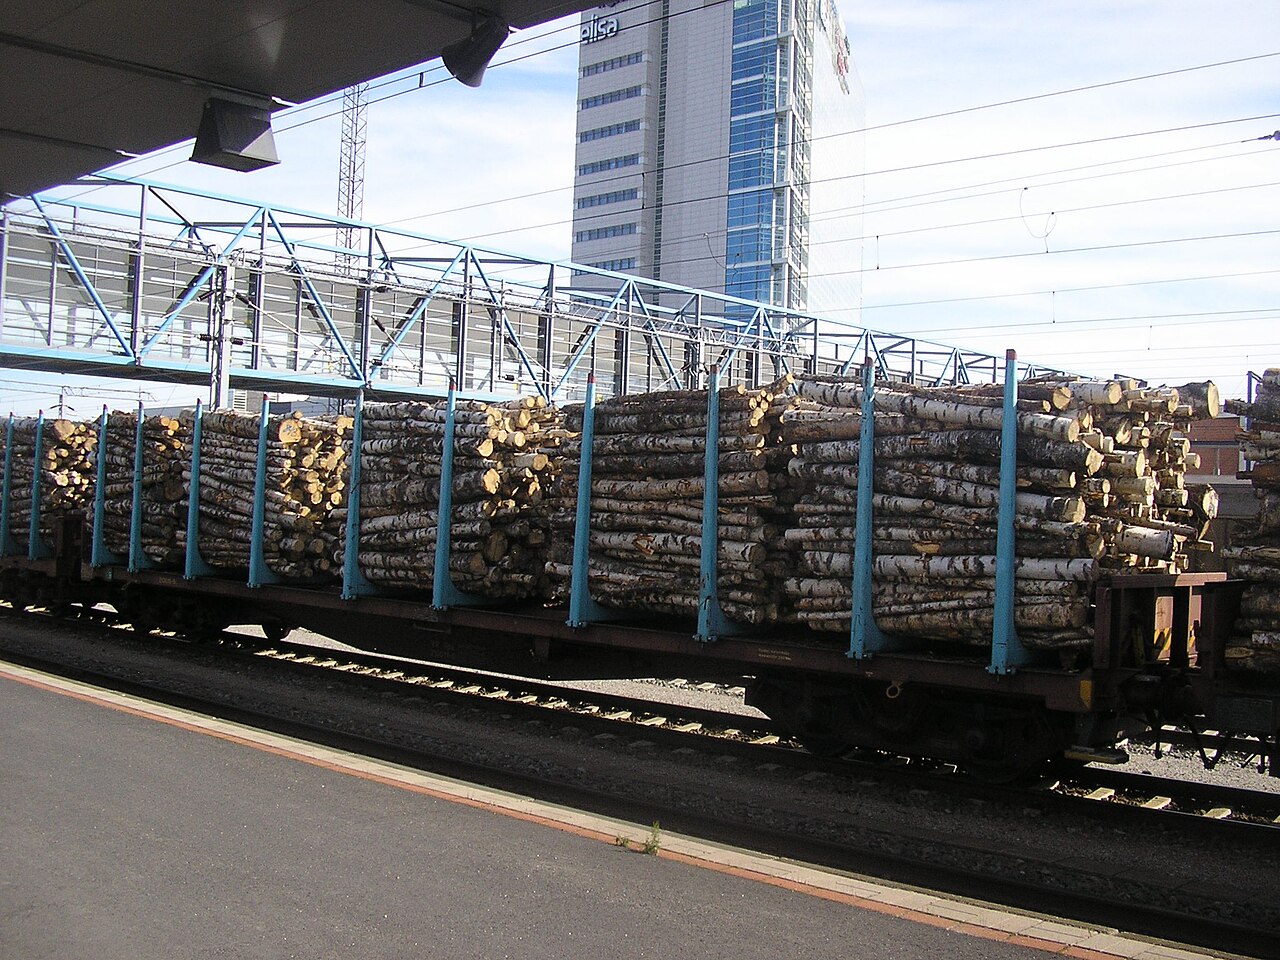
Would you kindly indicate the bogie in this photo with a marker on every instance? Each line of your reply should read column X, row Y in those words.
column 994, row 738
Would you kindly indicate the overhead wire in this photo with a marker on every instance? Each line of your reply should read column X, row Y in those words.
column 878, row 268
column 1077, row 250
column 1205, row 353
column 862, row 209
column 889, row 125
column 1034, row 293
column 710, row 256
column 988, row 221
column 1176, row 320
column 914, row 119
column 932, row 164
column 1022, row 178
column 865, row 129
column 1040, row 253
column 913, row 230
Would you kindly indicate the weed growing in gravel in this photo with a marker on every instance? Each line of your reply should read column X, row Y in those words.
column 654, row 840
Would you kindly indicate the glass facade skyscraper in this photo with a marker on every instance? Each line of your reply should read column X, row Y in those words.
column 720, row 147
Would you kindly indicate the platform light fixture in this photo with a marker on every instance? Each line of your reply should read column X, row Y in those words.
column 467, row 59
column 236, row 136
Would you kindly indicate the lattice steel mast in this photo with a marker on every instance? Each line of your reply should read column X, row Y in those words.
column 351, row 169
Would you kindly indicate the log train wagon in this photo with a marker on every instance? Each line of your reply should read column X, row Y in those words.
column 987, row 575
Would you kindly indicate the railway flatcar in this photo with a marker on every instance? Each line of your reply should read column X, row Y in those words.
column 1022, row 668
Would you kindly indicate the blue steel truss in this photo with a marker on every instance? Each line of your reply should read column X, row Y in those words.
column 146, row 280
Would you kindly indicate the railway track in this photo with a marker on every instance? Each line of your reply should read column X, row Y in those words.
column 1128, row 799
column 1211, row 802
column 1209, row 807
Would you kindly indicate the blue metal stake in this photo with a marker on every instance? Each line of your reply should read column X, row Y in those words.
column 138, row 560
column 583, row 609
column 712, row 623
column 99, row 555
column 36, row 549
column 354, row 583
column 8, row 547
column 443, row 593
column 195, row 565
column 259, row 572
column 1007, row 651
column 865, row 637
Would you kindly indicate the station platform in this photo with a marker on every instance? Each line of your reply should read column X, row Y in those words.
column 130, row 829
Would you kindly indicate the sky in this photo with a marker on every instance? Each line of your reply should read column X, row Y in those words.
column 1125, row 228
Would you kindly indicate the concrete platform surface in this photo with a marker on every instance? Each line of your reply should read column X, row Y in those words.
column 134, row 830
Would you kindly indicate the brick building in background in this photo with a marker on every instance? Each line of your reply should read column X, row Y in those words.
column 1215, row 441
column 1219, row 450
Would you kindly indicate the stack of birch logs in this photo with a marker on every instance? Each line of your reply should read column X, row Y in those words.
column 66, row 473
column 166, row 456
column 646, row 503
column 305, row 483
column 1092, row 460
column 936, row 481
column 1256, row 552
column 1140, row 495
column 502, row 466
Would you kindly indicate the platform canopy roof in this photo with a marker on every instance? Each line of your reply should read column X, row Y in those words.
column 85, row 83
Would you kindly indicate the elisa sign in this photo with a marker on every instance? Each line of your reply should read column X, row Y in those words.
column 598, row 29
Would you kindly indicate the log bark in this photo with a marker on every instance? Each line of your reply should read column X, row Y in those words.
column 971, row 417
column 959, row 568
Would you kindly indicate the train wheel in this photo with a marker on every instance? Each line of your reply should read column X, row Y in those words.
column 275, row 630
column 1010, row 746
column 198, row 622
column 144, row 611
column 25, row 595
